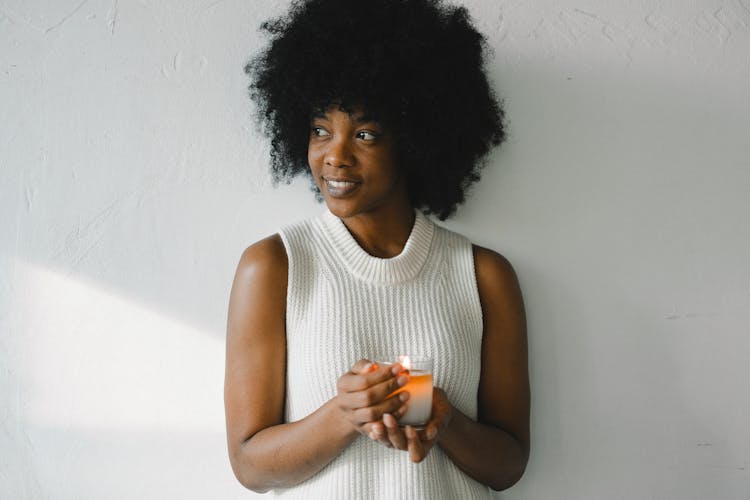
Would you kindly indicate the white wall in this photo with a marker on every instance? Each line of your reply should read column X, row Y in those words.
column 132, row 177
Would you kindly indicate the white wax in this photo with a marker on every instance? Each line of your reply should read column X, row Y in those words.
column 419, row 405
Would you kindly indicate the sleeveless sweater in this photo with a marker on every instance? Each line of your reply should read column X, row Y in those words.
column 344, row 305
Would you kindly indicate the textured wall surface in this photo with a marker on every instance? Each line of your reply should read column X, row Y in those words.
column 131, row 178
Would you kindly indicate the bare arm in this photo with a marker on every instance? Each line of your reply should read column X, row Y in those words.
column 495, row 449
column 264, row 451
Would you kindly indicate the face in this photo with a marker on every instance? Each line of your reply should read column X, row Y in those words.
column 351, row 158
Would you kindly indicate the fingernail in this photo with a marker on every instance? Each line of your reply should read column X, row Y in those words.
column 387, row 419
column 431, row 433
column 402, row 380
column 396, row 369
column 367, row 367
column 403, row 396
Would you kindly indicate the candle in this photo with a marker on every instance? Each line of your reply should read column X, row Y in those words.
column 419, row 387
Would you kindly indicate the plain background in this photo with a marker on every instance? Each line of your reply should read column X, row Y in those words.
column 132, row 177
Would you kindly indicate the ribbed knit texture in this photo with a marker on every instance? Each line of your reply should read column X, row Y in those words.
column 344, row 305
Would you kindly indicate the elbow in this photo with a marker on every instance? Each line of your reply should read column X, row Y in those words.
column 248, row 479
column 251, row 483
column 508, row 479
column 255, row 486
column 513, row 472
column 246, row 474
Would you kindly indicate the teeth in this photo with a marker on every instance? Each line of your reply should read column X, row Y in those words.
column 340, row 184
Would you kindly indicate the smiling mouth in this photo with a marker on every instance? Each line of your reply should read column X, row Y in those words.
column 340, row 187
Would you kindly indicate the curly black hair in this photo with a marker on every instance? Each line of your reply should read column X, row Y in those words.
column 416, row 66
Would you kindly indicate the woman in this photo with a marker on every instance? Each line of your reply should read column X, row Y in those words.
column 385, row 105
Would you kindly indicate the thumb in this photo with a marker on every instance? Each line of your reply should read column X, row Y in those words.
column 364, row 366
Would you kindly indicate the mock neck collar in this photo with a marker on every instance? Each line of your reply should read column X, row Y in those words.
column 402, row 267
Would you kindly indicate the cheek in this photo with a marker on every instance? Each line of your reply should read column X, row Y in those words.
column 314, row 156
column 390, row 168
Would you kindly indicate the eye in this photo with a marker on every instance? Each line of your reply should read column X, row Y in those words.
column 319, row 132
column 366, row 135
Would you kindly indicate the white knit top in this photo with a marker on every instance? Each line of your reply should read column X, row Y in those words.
column 344, row 305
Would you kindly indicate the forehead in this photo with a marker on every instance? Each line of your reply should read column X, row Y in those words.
column 355, row 113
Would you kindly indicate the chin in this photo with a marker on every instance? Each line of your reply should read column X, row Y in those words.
column 343, row 209
column 340, row 210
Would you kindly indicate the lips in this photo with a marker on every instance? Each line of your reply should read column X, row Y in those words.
column 339, row 187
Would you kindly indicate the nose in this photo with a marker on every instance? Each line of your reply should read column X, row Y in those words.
column 339, row 153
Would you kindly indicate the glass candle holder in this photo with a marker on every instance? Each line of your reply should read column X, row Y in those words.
column 419, row 387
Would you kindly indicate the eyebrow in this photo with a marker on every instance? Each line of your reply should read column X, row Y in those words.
column 364, row 118
column 356, row 116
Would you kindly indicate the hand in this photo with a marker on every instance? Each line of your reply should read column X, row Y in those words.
column 363, row 393
column 417, row 443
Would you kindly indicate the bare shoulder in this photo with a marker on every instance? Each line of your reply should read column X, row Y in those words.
column 259, row 290
column 267, row 256
column 495, row 274
column 500, row 297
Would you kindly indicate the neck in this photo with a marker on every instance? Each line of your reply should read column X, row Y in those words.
column 383, row 233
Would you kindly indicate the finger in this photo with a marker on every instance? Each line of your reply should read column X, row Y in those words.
column 417, row 451
column 363, row 366
column 367, row 430
column 376, row 410
column 404, row 396
column 382, row 390
column 378, row 434
column 353, row 382
column 371, row 430
column 437, row 421
column 377, row 429
column 431, row 431
column 384, row 372
column 395, row 433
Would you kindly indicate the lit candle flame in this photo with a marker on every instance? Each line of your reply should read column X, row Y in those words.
column 405, row 362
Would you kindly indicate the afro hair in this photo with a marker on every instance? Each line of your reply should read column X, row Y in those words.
column 416, row 66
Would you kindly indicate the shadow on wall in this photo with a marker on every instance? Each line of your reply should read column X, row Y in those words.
column 105, row 392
